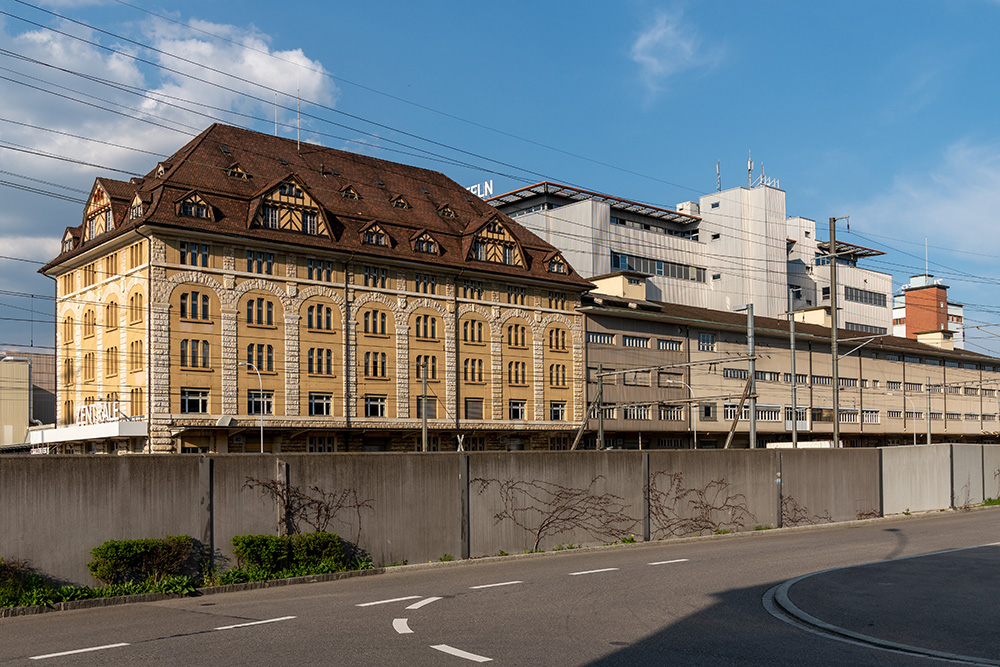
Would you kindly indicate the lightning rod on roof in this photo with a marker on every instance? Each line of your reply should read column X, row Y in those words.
column 718, row 176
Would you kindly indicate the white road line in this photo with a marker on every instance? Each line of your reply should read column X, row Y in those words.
column 444, row 648
column 400, row 626
column 371, row 604
column 503, row 583
column 246, row 625
column 79, row 650
column 606, row 569
column 668, row 562
column 422, row 603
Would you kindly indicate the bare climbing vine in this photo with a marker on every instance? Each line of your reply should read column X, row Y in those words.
column 316, row 509
column 679, row 510
column 793, row 514
column 544, row 508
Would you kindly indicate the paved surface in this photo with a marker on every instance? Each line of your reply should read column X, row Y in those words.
column 941, row 604
column 680, row 602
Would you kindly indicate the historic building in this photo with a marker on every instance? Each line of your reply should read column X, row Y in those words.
column 666, row 375
column 250, row 278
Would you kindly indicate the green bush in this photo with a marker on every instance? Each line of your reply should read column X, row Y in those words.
column 268, row 553
column 319, row 548
column 262, row 557
column 121, row 561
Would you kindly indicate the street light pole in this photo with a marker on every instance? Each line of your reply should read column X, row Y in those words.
column 694, row 425
column 261, row 397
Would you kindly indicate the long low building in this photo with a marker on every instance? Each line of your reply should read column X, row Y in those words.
column 675, row 376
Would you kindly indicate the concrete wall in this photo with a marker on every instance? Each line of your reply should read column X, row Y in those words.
column 418, row 507
column 583, row 498
column 823, row 485
column 916, row 479
column 967, row 474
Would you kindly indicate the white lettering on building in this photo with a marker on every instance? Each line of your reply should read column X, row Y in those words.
column 482, row 190
column 98, row 413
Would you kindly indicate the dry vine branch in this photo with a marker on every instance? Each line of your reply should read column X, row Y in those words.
column 678, row 510
column 793, row 514
column 315, row 511
column 544, row 508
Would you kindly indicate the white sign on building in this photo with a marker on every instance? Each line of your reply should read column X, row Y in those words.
column 98, row 413
column 482, row 190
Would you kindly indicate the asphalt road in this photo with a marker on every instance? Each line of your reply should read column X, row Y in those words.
column 684, row 602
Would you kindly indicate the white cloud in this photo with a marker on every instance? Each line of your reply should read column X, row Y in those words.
column 669, row 46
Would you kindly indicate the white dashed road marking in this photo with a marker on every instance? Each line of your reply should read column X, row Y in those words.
column 424, row 602
column 503, row 583
column 606, row 569
column 400, row 625
column 444, row 648
column 371, row 604
column 668, row 562
column 79, row 650
column 245, row 625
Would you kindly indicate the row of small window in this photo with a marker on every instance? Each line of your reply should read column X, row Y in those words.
column 935, row 361
column 88, row 274
column 656, row 267
column 89, row 324
column 691, row 234
column 641, row 412
column 937, row 416
column 601, row 338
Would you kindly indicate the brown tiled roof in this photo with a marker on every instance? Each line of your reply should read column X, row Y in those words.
column 201, row 166
column 764, row 326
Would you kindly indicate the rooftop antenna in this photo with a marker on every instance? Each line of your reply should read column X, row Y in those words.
column 718, row 176
column 749, row 171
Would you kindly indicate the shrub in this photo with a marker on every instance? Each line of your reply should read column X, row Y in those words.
column 121, row 561
column 268, row 553
column 314, row 549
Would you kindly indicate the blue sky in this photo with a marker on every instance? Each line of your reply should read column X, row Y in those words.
column 881, row 111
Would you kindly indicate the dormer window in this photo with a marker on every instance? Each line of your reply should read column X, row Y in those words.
column 447, row 212
column 493, row 243
column 399, row 202
column 557, row 265
column 290, row 190
column 310, row 222
column 427, row 244
column 135, row 210
column 375, row 236
column 236, row 171
column 67, row 244
column 269, row 217
column 194, row 209
column 350, row 193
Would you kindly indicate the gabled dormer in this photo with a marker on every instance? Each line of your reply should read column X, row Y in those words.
column 162, row 168
column 236, row 171
column 493, row 242
column 193, row 205
column 446, row 211
column 288, row 205
column 136, row 208
column 98, row 217
column 373, row 234
column 423, row 242
column 399, row 202
column 555, row 263
column 348, row 192
column 68, row 240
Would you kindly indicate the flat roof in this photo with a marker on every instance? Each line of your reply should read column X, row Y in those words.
column 578, row 194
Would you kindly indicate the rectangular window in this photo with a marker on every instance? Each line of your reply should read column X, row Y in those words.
column 194, row 401
column 864, row 296
column 671, row 413
column 260, row 402
column 429, row 404
column 635, row 341
column 374, row 406
column 636, row 378
column 667, row 344
column 557, row 411
column 320, row 405
column 473, row 408
column 636, row 412
column 735, row 373
column 706, row 342
column 518, row 410
column 600, row 338
column 374, row 276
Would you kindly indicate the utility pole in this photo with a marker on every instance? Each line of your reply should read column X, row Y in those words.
column 423, row 407
column 795, row 382
column 833, row 331
column 928, row 388
column 600, row 407
column 752, row 380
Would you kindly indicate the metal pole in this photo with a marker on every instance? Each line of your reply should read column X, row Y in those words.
column 751, row 350
column 928, row 388
column 833, row 332
column 423, row 408
column 600, row 406
column 795, row 383
column 261, row 396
